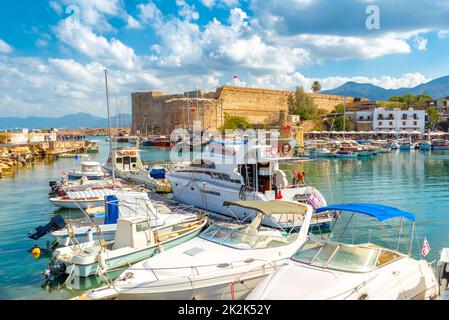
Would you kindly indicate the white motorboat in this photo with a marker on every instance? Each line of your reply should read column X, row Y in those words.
column 89, row 169
column 214, row 178
column 136, row 239
column 128, row 166
column 226, row 261
column 331, row 269
column 81, row 199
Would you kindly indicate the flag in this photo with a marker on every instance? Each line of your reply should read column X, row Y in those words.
column 425, row 248
column 314, row 201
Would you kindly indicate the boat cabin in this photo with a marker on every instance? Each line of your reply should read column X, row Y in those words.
column 127, row 160
column 91, row 166
column 134, row 232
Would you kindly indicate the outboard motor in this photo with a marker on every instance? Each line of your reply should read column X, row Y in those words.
column 56, row 223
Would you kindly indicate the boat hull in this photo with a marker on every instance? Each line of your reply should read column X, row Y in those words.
column 211, row 197
column 71, row 204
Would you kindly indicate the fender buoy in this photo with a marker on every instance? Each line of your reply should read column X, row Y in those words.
column 286, row 151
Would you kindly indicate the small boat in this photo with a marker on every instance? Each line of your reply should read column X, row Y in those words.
column 439, row 144
column 89, row 169
column 147, row 143
column 424, row 145
column 136, row 239
column 123, row 204
column 81, row 199
column 128, row 166
column 226, row 261
column 394, row 145
column 342, row 154
column 324, row 268
column 407, row 146
column 322, row 153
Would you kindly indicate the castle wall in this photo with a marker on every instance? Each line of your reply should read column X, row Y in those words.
column 260, row 106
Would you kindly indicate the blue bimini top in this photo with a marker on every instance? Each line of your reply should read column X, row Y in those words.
column 378, row 211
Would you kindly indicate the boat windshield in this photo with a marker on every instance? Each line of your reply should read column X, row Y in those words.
column 338, row 256
column 243, row 237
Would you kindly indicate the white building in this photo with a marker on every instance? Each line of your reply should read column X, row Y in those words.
column 399, row 120
column 381, row 119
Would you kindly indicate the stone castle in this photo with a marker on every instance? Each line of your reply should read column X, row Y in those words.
column 154, row 112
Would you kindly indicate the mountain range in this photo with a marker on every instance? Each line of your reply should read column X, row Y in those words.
column 437, row 88
column 69, row 121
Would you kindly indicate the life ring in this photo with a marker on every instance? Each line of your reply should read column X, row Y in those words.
column 289, row 148
column 276, row 151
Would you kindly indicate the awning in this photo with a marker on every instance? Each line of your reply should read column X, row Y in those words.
column 378, row 211
column 271, row 207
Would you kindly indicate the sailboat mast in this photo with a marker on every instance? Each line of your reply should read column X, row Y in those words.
column 344, row 117
column 111, row 146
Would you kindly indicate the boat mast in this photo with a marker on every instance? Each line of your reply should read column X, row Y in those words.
column 111, row 146
column 344, row 117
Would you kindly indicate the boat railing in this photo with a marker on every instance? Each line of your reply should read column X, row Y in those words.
column 196, row 272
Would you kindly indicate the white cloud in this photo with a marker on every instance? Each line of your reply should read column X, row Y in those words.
column 288, row 81
column 133, row 23
column 5, row 48
column 188, row 12
column 85, row 41
column 220, row 3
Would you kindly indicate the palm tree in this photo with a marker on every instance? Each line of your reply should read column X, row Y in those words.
column 316, row 87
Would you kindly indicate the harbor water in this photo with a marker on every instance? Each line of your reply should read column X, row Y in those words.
column 415, row 181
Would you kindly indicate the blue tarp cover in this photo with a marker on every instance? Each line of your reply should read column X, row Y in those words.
column 378, row 211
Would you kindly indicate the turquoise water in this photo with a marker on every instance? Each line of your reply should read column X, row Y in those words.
column 414, row 181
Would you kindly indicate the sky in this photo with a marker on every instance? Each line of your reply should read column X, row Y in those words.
column 53, row 52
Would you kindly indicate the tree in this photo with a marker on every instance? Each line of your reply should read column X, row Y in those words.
column 316, row 87
column 433, row 117
column 235, row 122
column 338, row 123
column 411, row 101
column 356, row 99
column 303, row 105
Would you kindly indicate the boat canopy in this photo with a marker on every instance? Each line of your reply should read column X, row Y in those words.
column 90, row 193
column 378, row 211
column 271, row 207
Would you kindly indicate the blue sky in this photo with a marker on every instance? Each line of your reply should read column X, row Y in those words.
column 53, row 52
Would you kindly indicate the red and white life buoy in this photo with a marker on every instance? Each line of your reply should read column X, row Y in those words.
column 286, row 150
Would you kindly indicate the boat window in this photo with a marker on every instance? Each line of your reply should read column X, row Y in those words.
column 126, row 160
column 118, row 160
column 307, row 252
column 142, row 226
column 133, row 160
column 356, row 259
column 386, row 257
column 337, row 256
column 324, row 254
column 243, row 238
